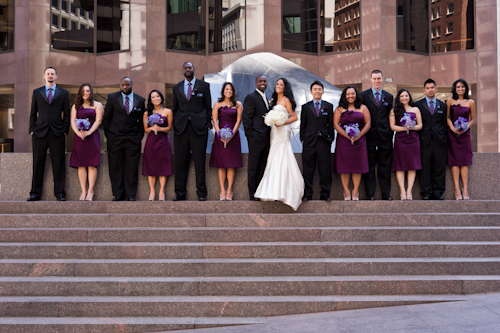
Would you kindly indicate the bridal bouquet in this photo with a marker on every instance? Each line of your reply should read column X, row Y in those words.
column 225, row 134
column 154, row 119
column 352, row 130
column 82, row 124
column 409, row 121
column 461, row 124
column 274, row 117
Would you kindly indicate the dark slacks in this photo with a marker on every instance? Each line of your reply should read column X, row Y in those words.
column 56, row 146
column 257, row 160
column 320, row 154
column 124, row 167
column 187, row 144
column 433, row 174
column 379, row 156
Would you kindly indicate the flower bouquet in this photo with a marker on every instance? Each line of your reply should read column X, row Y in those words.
column 409, row 121
column 154, row 119
column 225, row 134
column 461, row 124
column 352, row 130
column 82, row 124
column 274, row 117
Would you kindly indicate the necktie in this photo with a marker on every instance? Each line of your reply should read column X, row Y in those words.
column 377, row 98
column 50, row 96
column 190, row 92
column 431, row 107
column 127, row 105
column 317, row 108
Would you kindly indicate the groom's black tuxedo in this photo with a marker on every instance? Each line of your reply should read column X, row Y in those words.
column 258, row 136
column 317, row 134
column 49, row 129
column 124, row 133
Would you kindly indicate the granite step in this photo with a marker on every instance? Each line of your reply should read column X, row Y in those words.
column 248, row 286
column 248, row 267
column 151, row 250
column 199, row 306
column 217, row 235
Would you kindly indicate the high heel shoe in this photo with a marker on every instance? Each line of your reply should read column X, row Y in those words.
column 348, row 198
column 89, row 196
column 229, row 198
column 403, row 196
column 151, row 197
column 355, row 198
column 409, row 197
column 465, row 197
column 458, row 197
column 82, row 197
column 222, row 198
column 161, row 197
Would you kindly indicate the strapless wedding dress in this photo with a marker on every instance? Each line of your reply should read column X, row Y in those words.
column 282, row 178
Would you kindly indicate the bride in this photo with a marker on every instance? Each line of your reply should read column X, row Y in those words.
column 282, row 180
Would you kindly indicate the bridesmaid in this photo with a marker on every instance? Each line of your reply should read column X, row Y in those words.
column 86, row 143
column 228, row 112
column 351, row 156
column 406, row 143
column 157, row 157
column 459, row 143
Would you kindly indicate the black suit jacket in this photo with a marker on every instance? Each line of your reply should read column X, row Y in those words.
column 118, row 125
column 254, row 109
column 434, row 126
column 44, row 115
column 310, row 124
column 379, row 115
column 198, row 108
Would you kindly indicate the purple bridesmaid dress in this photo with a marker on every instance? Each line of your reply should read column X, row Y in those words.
column 86, row 152
column 459, row 148
column 229, row 157
column 351, row 158
column 406, row 150
column 157, row 157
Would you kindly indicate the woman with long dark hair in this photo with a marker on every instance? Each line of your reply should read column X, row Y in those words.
column 352, row 121
column 405, row 120
column 86, row 116
column 282, row 180
column 459, row 144
column 157, row 157
column 226, row 151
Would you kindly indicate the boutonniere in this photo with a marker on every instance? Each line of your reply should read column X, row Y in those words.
column 135, row 109
column 194, row 92
column 324, row 108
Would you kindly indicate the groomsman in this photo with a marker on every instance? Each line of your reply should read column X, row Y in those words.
column 192, row 118
column 316, row 134
column 433, row 138
column 49, row 125
column 257, row 133
column 378, row 138
column 124, row 129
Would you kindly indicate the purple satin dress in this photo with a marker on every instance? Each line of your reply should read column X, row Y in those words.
column 157, row 157
column 459, row 148
column 229, row 157
column 351, row 158
column 406, row 150
column 86, row 152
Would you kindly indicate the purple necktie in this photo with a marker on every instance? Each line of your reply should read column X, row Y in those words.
column 377, row 98
column 190, row 92
column 127, row 105
column 317, row 109
column 431, row 107
column 50, row 96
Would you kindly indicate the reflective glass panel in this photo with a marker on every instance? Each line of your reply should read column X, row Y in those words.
column 6, row 25
column 186, row 25
column 300, row 25
column 340, row 25
column 413, row 25
column 113, row 25
column 452, row 25
column 226, row 21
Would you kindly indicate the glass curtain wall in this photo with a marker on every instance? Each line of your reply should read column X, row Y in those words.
column 452, row 25
column 413, row 25
column 185, row 25
column 300, row 25
column 226, row 20
column 6, row 25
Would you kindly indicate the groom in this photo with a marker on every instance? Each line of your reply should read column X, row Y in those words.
column 257, row 133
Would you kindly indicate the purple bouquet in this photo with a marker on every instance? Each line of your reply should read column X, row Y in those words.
column 461, row 124
column 154, row 119
column 409, row 121
column 82, row 124
column 352, row 130
column 225, row 134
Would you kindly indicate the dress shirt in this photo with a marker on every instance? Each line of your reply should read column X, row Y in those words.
column 263, row 97
column 429, row 102
column 374, row 91
column 47, row 90
column 186, row 82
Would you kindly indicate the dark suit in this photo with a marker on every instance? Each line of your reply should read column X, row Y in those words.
column 316, row 134
column 49, row 129
column 124, row 133
column 378, row 143
column 258, row 135
column 192, row 119
column 433, row 138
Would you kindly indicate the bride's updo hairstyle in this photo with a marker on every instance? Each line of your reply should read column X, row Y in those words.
column 343, row 103
column 287, row 92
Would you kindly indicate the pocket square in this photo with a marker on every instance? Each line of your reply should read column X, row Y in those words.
column 385, row 104
column 440, row 111
column 199, row 95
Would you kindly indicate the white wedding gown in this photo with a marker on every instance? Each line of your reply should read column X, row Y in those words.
column 282, row 178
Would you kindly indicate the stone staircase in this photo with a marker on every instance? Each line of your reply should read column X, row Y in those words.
column 158, row 266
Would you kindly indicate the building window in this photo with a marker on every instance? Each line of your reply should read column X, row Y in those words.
column 448, row 47
column 72, row 7
column 73, row 25
column 64, row 23
column 461, row 18
column 54, row 3
column 451, row 8
column 305, row 12
column 449, row 28
column 413, row 25
column 79, row 40
column 55, row 20
column 347, row 14
column 291, row 25
column 64, row 5
column 6, row 25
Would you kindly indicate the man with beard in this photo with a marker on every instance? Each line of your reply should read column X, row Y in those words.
column 124, row 129
column 192, row 119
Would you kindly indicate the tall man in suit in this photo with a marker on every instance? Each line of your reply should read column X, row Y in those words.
column 192, row 120
column 257, row 133
column 378, row 138
column 316, row 134
column 124, row 129
column 433, row 138
column 49, row 125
